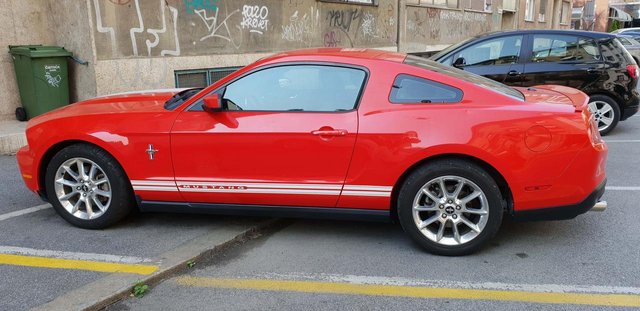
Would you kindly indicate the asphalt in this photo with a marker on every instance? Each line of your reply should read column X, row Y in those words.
column 595, row 250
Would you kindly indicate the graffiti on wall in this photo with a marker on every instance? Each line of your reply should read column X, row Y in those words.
column 426, row 25
column 137, row 28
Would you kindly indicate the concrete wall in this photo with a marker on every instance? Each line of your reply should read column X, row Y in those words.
column 75, row 33
column 139, row 43
column 21, row 22
column 135, row 28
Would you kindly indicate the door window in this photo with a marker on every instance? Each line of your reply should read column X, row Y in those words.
column 555, row 48
column 409, row 89
column 498, row 51
column 296, row 88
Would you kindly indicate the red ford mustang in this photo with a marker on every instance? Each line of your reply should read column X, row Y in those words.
column 338, row 133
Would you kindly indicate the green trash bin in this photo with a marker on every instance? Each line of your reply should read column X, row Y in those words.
column 42, row 76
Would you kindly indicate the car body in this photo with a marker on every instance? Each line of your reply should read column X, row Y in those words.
column 593, row 62
column 334, row 133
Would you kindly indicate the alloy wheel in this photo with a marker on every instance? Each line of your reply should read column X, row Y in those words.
column 450, row 210
column 82, row 188
column 603, row 114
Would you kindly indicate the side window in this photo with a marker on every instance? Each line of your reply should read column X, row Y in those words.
column 498, row 51
column 410, row 89
column 555, row 48
column 296, row 88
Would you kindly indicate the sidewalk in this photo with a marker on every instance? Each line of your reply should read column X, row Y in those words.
column 12, row 136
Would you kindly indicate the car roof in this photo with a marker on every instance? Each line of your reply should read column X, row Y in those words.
column 583, row 33
column 371, row 54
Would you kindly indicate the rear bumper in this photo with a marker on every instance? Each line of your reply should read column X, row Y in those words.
column 566, row 211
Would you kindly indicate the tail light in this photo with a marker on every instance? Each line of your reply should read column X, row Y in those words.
column 633, row 71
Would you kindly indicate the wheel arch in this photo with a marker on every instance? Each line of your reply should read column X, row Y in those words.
column 498, row 177
column 54, row 149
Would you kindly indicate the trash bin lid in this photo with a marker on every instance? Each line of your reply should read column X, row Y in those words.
column 35, row 51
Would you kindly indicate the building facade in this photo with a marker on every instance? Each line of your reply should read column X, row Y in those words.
column 146, row 44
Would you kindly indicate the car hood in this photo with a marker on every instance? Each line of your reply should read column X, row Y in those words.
column 555, row 94
column 130, row 102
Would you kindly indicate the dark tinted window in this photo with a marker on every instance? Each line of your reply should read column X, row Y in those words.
column 409, row 89
column 555, row 48
column 497, row 51
column 463, row 75
column 296, row 88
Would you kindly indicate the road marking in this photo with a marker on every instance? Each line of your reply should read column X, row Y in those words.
column 401, row 281
column 617, row 188
column 57, row 263
column 24, row 211
column 623, row 141
column 350, row 288
column 347, row 288
column 13, row 250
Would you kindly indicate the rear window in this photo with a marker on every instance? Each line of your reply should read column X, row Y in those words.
column 463, row 75
column 621, row 51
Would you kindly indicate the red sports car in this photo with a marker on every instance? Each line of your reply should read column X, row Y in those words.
column 333, row 133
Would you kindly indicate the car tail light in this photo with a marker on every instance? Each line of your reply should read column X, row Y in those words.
column 633, row 71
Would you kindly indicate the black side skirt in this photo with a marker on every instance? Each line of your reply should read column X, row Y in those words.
column 266, row 211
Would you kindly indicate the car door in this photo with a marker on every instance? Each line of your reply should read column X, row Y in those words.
column 285, row 136
column 562, row 59
column 496, row 58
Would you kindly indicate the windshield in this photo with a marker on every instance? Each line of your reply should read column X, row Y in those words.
column 463, row 75
column 449, row 49
column 181, row 97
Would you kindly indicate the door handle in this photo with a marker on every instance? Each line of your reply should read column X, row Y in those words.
column 514, row 73
column 329, row 132
column 592, row 70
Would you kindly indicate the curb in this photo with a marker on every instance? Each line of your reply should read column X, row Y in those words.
column 11, row 143
column 117, row 287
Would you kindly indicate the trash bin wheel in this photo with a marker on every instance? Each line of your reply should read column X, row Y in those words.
column 21, row 114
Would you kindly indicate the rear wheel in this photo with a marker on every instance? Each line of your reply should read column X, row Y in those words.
column 450, row 207
column 87, row 187
column 605, row 111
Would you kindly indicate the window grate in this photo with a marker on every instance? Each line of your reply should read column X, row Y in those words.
column 201, row 77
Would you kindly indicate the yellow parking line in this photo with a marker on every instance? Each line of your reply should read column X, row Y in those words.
column 57, row 263
column 618, row 300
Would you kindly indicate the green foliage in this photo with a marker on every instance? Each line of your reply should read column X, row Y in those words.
column 139, row 289
column 191, row 263
column 615, row 25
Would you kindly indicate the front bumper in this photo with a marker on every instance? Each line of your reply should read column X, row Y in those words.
column 566, row 211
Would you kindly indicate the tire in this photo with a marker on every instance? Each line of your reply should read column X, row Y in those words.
column 21, row 114
column 108, row 202
column 604, row 108
column 484, row 211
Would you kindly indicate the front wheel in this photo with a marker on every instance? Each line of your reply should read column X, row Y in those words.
column 87, row 187
column 450, row 207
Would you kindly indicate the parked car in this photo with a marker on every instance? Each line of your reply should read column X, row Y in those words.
column 334, row 133
column 632, row 45
column 624, row 31
column 593, row 62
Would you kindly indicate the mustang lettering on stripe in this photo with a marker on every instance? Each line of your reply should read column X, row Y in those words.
column 264, row 188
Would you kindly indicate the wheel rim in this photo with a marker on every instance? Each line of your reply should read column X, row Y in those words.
column 450, row 210
column 603, row 114
column 82, row 188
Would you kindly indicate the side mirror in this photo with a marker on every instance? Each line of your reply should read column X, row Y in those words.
column 459, row 62
column 211, row 103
